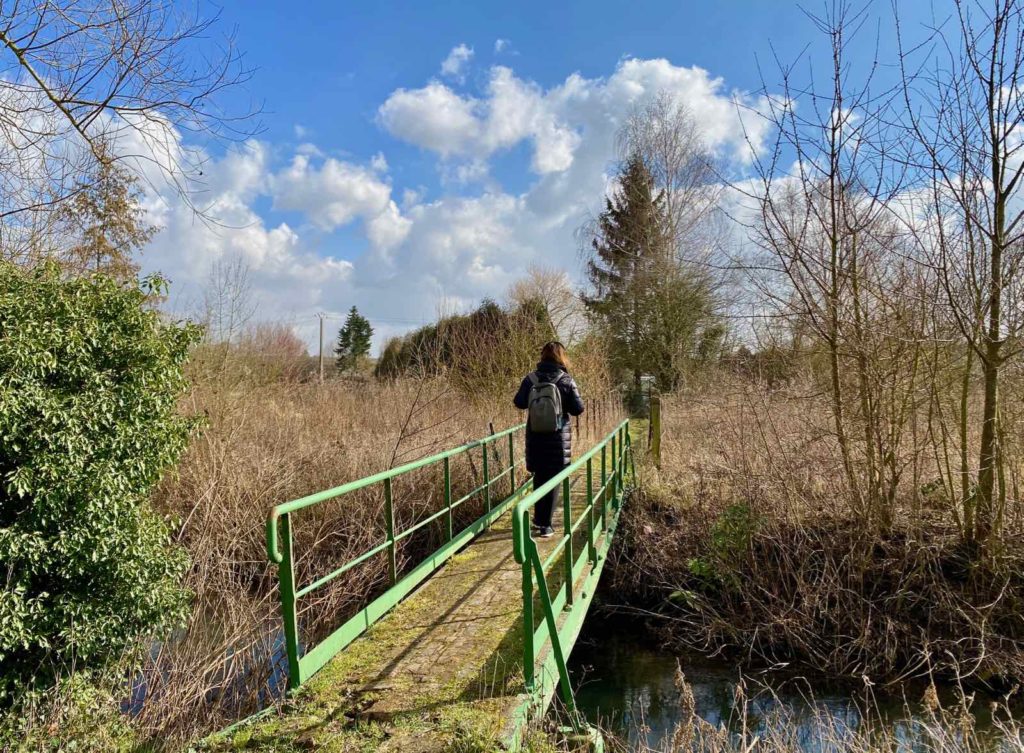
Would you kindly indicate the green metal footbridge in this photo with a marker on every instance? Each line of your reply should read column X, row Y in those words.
column 465, row 648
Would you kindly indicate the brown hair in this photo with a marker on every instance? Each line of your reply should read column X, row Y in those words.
column 555, row 351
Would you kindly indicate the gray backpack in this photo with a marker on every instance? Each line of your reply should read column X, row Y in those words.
column 545, row 405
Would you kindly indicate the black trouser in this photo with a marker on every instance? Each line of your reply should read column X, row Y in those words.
column 546, row 504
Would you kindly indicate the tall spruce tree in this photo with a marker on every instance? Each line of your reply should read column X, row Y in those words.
column 654, row 310
column 353, row 340
column 629, row 245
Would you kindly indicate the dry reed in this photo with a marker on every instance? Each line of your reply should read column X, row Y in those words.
column 746, row 543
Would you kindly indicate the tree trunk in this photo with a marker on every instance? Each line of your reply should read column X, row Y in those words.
column 988, row 453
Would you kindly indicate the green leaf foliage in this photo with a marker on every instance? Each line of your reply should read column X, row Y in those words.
column 90, row 378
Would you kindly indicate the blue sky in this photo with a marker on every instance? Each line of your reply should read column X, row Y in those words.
column 385, row 178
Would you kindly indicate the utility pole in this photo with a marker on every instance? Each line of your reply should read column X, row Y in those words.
column 321, row 316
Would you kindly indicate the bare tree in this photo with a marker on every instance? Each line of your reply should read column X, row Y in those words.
column 668, row 137
column 227, row 301
column 77, row 76
column 827, row 223
column 551, row 288
column 964, row 113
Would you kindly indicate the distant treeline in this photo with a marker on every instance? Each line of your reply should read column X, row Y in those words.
column 488, row 345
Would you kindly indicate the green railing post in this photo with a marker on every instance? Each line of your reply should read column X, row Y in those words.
column 632, row 460
column 613, row 479
column 448, row 496
column 286, row 573
column 618, row 467
column 622, row 463
column 487, row 481
column 604, row 488
column 591, row 548
column 552, row 624
column 389, row 519
column 512, row 462
column 567, row 527
column 528, row 652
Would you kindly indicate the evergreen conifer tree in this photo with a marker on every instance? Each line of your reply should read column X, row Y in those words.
column 654, row 311
column 629, row 246
column 353, row 340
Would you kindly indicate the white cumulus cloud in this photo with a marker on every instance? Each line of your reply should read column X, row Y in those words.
column 331, row 194
column 397, row 252
column 437, row 118
column 455, row 64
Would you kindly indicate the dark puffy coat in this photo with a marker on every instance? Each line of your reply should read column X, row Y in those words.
column 551, row 452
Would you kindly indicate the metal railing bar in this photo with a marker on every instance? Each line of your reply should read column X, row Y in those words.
column 500, row 476
column 582, row 519
column 550, row 560
column 476, row 491
column 553, row 554
column 412, row 529
column 435, row 516
column 341, row 570
column 558, row 602
column 469, row 495
column 574, row 529
column 351, row 486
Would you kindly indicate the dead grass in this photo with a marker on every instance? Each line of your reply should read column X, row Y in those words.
column 745, row 543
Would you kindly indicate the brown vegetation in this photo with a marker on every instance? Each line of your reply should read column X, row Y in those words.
column 747, row 542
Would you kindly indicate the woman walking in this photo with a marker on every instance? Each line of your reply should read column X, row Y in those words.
column 551, row 396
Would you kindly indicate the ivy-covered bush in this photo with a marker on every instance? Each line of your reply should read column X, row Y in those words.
column 90, row 378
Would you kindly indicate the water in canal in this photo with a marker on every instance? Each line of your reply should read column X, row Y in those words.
column 629, row 689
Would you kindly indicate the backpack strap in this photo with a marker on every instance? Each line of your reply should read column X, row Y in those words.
column 534, row 378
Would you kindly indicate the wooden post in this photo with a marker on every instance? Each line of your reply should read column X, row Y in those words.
column 321, row 317
column 655, row 430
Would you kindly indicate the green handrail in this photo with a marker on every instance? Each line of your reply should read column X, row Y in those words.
column 603, row 504
column 301, row 667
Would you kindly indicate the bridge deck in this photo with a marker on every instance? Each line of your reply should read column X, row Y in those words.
column 442, row 671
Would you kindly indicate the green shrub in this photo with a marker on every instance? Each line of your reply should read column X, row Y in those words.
column 90, row 377
column 80, row 714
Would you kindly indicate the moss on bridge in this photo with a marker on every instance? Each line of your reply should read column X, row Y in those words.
column 441, row 672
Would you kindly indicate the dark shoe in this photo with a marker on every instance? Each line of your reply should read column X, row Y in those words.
column 546, row 532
